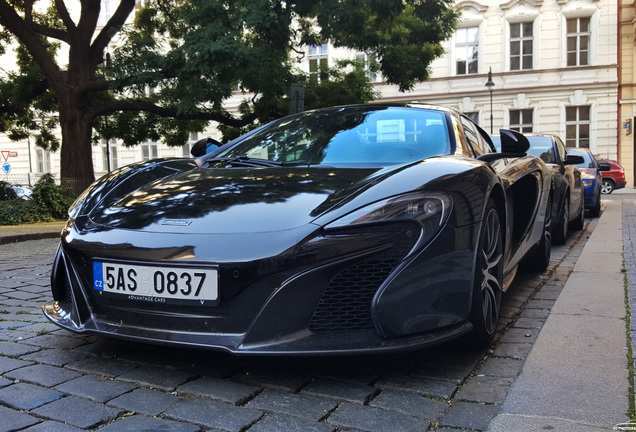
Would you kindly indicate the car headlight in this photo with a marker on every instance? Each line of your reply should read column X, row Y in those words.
column 588, row 183
column 429, row 209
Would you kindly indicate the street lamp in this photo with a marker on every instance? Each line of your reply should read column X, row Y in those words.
column 490, row 85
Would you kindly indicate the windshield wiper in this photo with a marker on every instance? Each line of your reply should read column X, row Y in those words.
column 244, row 161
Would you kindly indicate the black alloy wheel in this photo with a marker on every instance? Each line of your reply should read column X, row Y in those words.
column 488, row 280
column 540, row 259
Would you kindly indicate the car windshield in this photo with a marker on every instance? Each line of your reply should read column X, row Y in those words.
column 588, row 158
column 542, row 147
column 348, row 135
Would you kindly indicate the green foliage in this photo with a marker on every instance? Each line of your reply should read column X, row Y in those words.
column 55, row 199
column 405, row 36
column 19, row 211
column 29, row 105
column 344, row 84
column 6, row 192
column 48, row 202
column 176, row 68
column 217, row 47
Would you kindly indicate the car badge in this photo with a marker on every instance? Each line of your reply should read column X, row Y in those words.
column 177, row 222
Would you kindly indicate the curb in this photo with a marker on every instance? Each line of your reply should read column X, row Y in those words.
column 17, row 238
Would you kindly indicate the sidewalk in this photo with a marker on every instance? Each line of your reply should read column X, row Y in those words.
column 18, row 233
column 576, row 376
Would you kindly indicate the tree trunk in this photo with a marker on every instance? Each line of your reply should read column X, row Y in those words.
column 76, row 170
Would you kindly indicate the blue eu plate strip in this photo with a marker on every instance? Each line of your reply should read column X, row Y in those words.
column 98, row 276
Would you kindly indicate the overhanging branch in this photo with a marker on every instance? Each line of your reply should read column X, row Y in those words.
column 64, row 15
column 13, row 22
column 150, row 107
column 51, row 32
column 117, row 20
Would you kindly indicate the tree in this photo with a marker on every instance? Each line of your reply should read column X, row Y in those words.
column 174, row 69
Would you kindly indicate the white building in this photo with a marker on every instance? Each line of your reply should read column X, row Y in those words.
column 554, row 69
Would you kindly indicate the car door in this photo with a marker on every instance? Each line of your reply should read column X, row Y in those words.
column 572, row 177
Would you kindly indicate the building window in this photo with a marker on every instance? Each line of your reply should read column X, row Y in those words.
column 106, row 10
column 114, row 164
column 367, row 60
column 578, row 41
column 149, row 151
column 318, row 62
column 521, row 40
column 521, row 120
column 112, row 148
column 467, row 50
column 42, row 161
column 185, row 150
column 577, row 126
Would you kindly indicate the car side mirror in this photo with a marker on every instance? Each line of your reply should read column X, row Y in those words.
column 604, row 166
column 204, row 146
column 513, row 142
column 572, row 159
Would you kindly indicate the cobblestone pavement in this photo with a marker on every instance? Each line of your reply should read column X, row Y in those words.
column 54, row 380
column 629, row 254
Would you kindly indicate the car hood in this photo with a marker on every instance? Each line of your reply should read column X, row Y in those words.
column 231, row 200
column 588, row 173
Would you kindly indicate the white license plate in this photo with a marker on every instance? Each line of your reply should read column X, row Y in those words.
column 157, row 283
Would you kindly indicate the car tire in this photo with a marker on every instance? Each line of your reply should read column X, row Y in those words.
column 560, row 233
column 607, row 186
column 540, row 258
column 596, row 210
column 488, row 280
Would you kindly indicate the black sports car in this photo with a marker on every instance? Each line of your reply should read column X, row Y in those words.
column 341, row 230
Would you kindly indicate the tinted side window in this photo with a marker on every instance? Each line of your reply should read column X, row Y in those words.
column 477, row 142
column 561, row 148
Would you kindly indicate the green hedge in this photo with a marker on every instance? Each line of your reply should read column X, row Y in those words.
column 48, row 202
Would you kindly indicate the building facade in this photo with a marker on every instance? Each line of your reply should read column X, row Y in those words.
column 626, row 90
column 554, row 67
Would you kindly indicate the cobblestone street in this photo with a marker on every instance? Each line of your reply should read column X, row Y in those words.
column 54, row 380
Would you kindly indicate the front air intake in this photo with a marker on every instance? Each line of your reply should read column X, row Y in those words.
column 346, row 303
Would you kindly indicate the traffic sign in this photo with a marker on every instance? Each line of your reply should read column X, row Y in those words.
column 6, row 154
column 6, row 168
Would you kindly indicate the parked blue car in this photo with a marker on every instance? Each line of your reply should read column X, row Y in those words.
column 592, row 179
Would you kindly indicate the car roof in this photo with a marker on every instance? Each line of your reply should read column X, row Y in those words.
column 538, row 135
column 580, row 149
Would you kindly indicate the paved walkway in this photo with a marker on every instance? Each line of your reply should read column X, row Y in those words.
column 576, row 376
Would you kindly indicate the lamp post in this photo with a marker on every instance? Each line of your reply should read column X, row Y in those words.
column 107, row 144
column 490, row 85
column 108, row 67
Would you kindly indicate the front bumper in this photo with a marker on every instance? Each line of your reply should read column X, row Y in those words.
column 592, row 195
column 343, row 293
